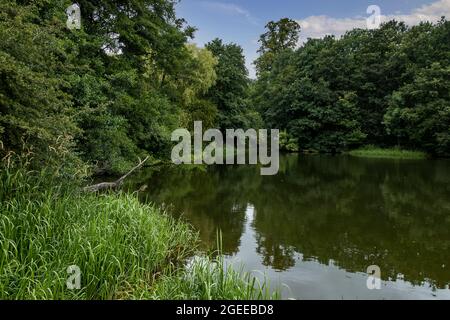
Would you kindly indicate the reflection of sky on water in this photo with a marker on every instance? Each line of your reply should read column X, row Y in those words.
column 313, row 280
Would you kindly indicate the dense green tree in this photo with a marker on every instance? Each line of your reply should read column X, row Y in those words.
column 419, row 112
column 136, row 49
column 36, row 113
column 231, row 88
column 303, row 101
column 280, row 35
column 193, row 83
column 109, row 92
column 136, row 28
column 367, row 68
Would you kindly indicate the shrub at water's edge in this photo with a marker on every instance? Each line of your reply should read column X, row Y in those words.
column 124, row 249
column 376, row 152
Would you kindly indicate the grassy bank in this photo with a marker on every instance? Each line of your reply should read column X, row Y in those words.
column 393, row 153
column 207, row 278
column 124, row 249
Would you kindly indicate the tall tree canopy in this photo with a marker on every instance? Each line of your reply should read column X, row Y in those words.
column 231, row 87
column 386, row 86
column 114, row 89
column 280, row 35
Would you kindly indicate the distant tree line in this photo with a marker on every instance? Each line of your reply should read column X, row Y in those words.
column 387, row 87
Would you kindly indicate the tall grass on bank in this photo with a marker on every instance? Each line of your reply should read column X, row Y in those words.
column 206, row 278
column 118, row 243
column 392, row 153
column 124, row 249
column 210, row 278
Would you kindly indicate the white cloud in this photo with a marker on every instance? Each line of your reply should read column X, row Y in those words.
column 319, row 26
column 231, row 9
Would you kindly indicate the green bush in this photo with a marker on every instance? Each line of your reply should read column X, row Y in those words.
column 288, row 143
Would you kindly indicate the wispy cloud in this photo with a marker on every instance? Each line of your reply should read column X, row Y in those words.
column 230, row 9
column 319, row 26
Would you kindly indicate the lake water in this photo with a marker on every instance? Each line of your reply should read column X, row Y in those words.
column 315, row 227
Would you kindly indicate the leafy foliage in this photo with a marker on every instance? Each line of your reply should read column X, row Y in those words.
column 387, row 87
column 115, row 89
column 280, row 35
column 35, row 108
column 231, row 88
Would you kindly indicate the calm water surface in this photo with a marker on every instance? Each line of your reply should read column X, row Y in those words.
column 316, row 226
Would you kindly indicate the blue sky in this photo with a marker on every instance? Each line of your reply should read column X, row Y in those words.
column 242, row 21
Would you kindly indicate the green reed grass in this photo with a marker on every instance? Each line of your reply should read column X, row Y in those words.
column 397, row 153
column 211, row 278
column 125, row 249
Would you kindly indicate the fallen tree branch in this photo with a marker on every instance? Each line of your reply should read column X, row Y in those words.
column 115, row 184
